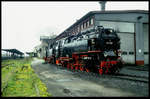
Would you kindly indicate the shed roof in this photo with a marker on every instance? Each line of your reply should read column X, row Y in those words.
column 105, row 12
column 13, row 51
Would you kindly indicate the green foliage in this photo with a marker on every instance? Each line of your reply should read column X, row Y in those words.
column 20, row 80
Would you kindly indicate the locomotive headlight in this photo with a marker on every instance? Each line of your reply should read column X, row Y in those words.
column 119, row 54
column 92, row 41
column 110, row 31
column 105, row 54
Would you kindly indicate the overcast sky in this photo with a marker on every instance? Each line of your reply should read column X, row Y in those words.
column 24, row 22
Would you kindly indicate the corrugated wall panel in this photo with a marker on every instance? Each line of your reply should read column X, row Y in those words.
column 146, row 43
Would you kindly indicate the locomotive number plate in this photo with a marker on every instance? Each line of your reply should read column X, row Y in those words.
column 109, row 42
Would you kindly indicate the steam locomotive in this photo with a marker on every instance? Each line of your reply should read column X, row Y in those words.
column 93, row 51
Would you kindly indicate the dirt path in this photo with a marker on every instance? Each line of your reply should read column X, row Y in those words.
column 62, row 82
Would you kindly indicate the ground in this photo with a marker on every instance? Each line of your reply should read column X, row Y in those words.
column 65, row 83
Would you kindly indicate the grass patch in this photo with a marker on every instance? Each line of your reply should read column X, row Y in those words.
column 20, row 80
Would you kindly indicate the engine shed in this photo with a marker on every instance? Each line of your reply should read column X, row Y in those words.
column 130, row 25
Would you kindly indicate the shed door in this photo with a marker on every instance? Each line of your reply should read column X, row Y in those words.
column 127, row 47
column 126, row 32
column 146, row 43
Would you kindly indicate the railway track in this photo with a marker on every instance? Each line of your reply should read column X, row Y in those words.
column 121, row 76
column 131, row 77
column 139, row 69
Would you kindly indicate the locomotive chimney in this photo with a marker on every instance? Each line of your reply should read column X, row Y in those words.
column 102, row 4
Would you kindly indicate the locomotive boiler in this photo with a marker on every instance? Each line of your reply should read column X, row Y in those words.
column 92, row 51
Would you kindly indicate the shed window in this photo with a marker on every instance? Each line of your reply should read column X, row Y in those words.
column 81, row 26
column 131, row 53
column 145, row 53
column 92, row 21
column 84, row 25
column 78, row 29
column 87, row 23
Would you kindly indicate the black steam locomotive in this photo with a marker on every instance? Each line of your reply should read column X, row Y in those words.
column 92, row 51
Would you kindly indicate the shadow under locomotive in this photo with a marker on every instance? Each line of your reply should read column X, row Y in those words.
column 94, row 51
